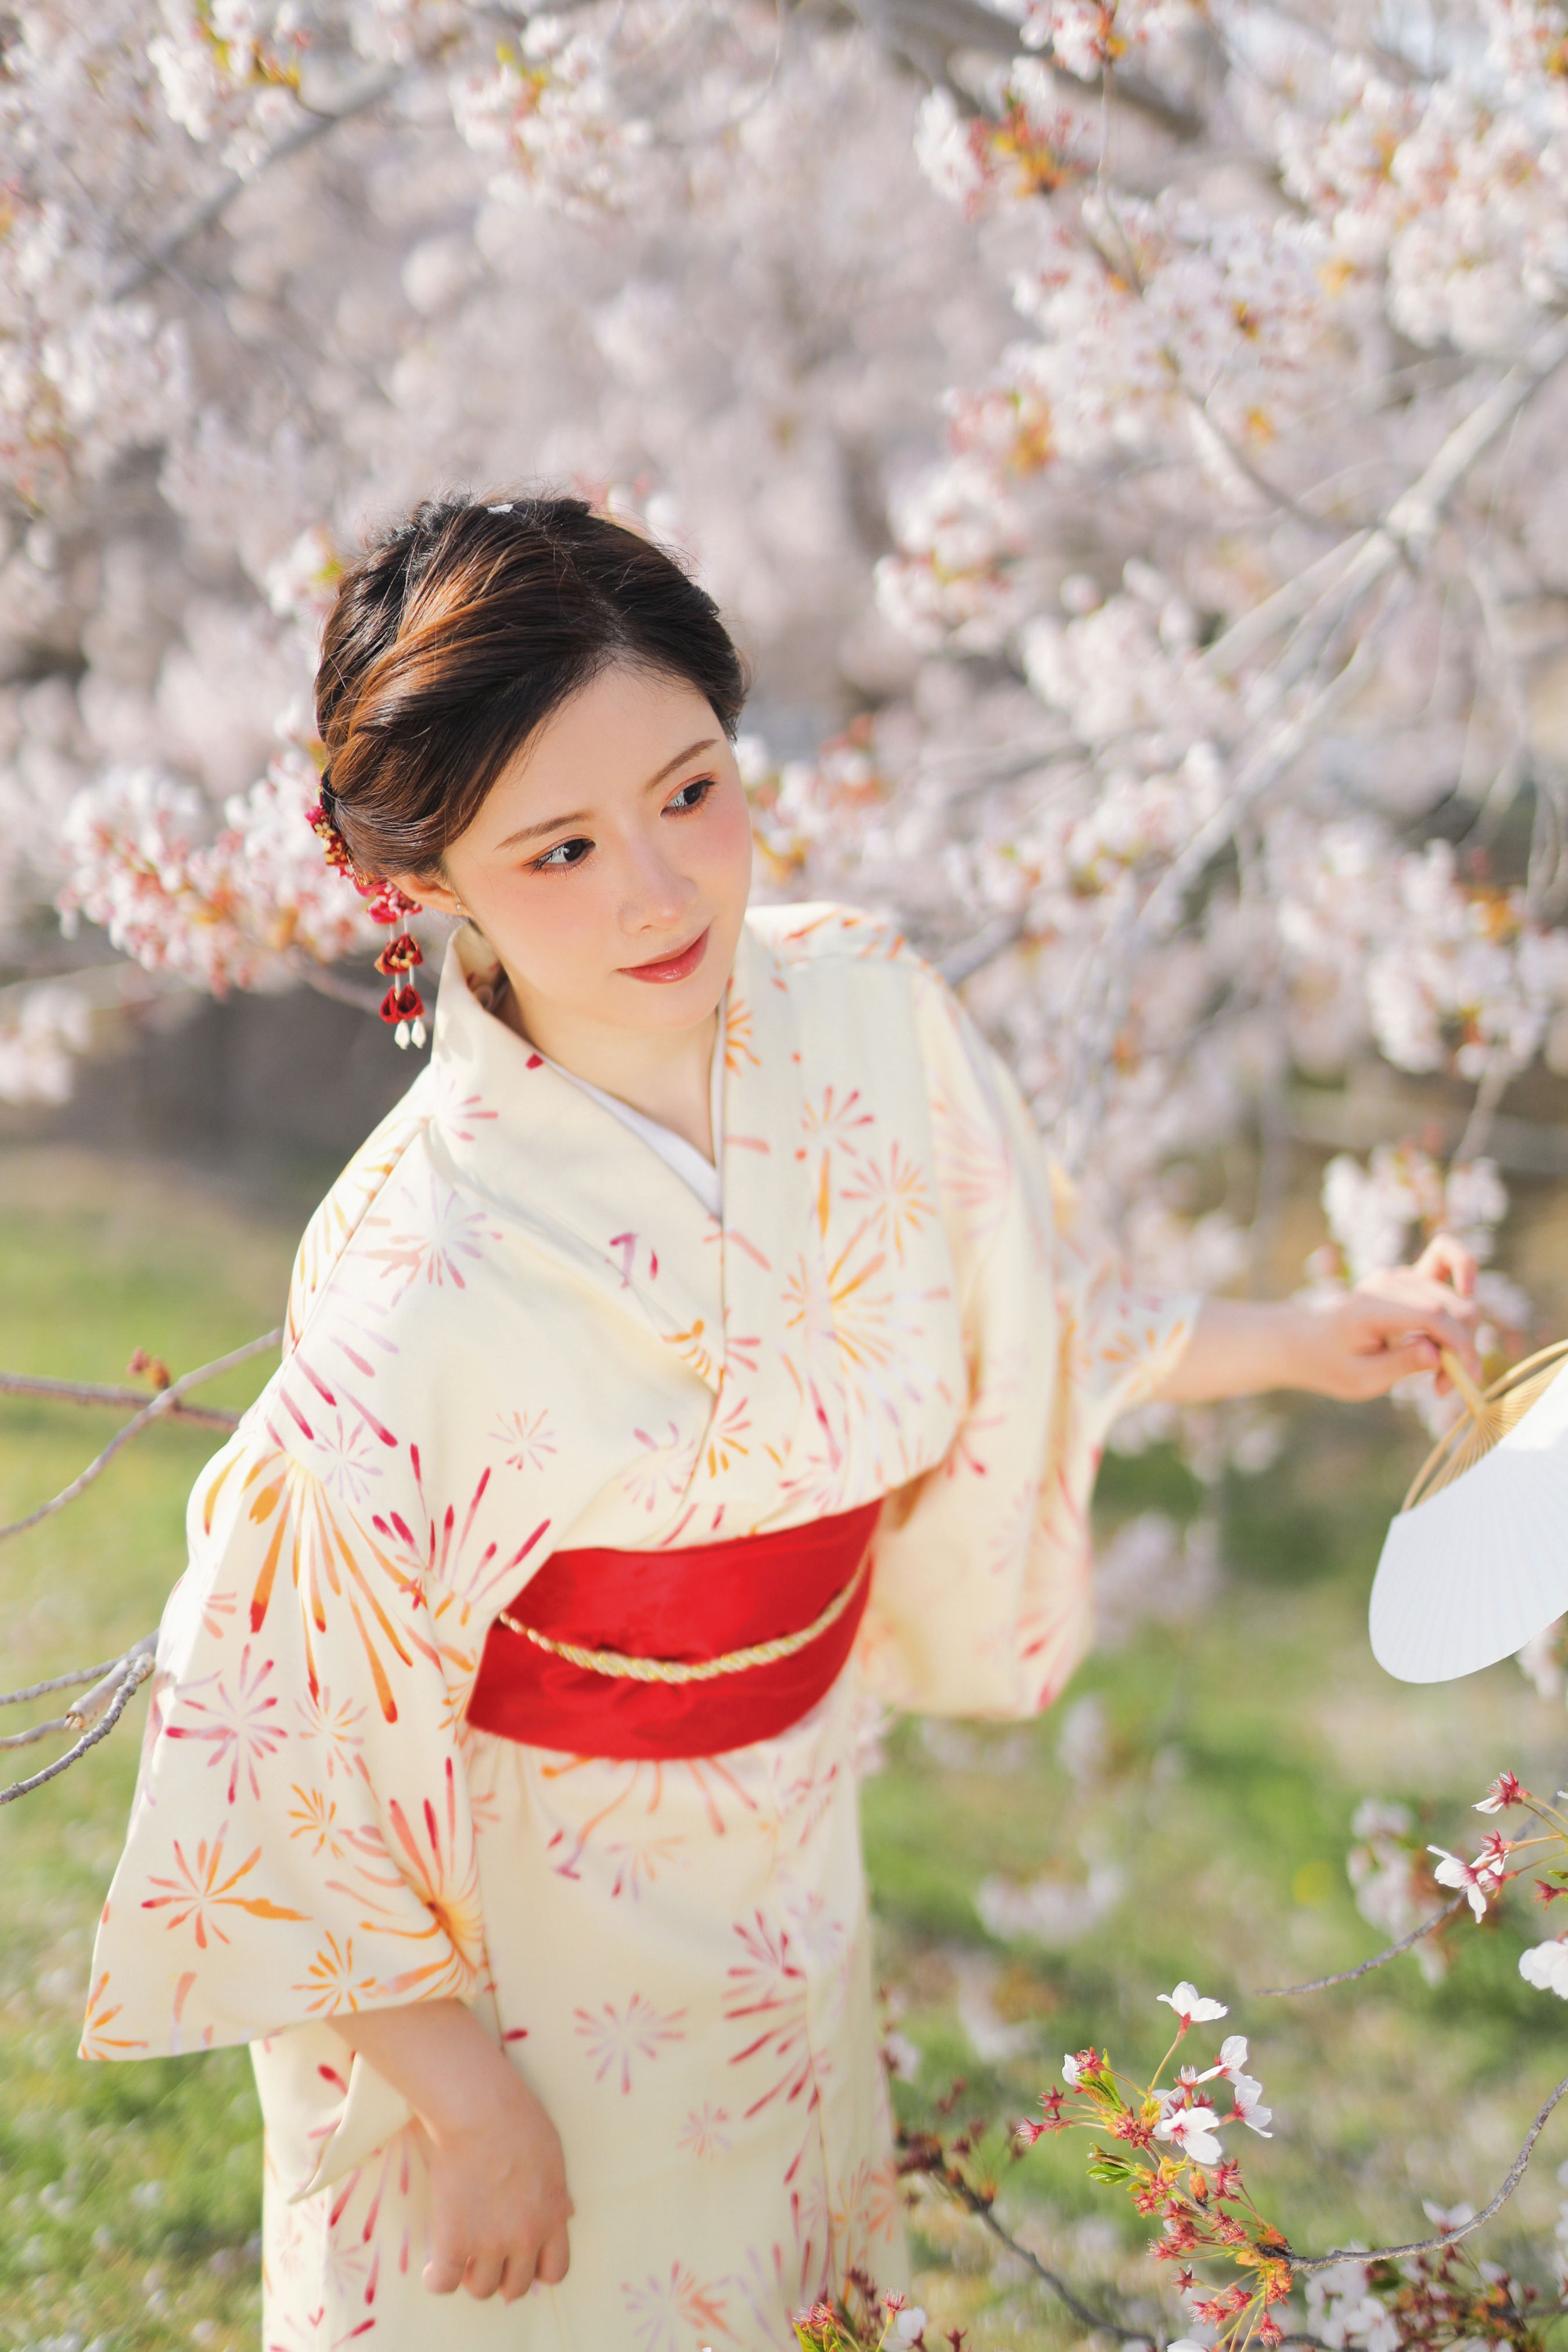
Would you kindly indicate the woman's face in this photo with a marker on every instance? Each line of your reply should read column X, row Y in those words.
column 610, row 864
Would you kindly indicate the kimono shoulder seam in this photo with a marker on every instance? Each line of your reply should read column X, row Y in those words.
column 822, row 931
column 415, row 1135
column 981, row 1267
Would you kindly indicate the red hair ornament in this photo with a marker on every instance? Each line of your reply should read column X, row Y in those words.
column 403, row 1007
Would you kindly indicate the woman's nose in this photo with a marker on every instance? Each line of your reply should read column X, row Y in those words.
column 656, row 895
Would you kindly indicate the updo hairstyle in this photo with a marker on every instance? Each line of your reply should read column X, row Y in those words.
column 456, row 635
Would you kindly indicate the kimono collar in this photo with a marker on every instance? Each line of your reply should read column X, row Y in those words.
column 593, row 1192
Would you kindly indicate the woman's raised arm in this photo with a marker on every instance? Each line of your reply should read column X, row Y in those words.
column 1352, row 1346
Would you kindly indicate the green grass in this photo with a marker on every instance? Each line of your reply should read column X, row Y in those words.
column 1237, row 1750
column 129, row 2195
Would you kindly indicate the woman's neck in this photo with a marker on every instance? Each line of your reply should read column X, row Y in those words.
column 668, row 1078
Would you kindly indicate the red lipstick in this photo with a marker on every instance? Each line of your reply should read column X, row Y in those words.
column 680, row 966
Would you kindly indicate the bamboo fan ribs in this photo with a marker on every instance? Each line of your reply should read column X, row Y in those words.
column 1475, row 1563
column 1490, row 1414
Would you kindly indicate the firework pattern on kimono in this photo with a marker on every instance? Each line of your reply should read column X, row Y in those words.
column 515, row 1328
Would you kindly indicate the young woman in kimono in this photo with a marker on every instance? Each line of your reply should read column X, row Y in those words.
column 704, row 1341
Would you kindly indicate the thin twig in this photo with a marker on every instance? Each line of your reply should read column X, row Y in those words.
column 973, row 955
column 60, row 1682
column 209, row 209
column 1515, row 2174
column 36, row 1731
column 343, row 992
column 100, row 986
column 1107, row 972
column 162, row 1406
column 956, row 2186
column 1483, row 1113
column 1408, row 527
column 1348, row 1975
column 88, row 1710
column 951, row 2181
column 947, row 26
column 103, row 1392
column 136, row 1674
column 985, row 2210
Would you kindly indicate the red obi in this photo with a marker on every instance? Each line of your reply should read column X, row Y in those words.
column 705, row 1607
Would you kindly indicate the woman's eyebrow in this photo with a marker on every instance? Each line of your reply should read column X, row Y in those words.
column 704, row 743
column 584, row 816
column 551, row 825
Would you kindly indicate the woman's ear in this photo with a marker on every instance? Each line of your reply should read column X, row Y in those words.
column 430, row 891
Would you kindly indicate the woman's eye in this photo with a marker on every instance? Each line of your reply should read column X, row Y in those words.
column 690, row 795
column 564, row 853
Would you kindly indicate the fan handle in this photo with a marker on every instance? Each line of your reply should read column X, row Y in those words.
column 1475, row 1403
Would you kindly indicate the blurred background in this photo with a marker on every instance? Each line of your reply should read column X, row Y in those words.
column 1125, row 436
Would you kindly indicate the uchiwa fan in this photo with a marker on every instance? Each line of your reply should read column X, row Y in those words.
column 1488, row 1414
column 1476, row 1561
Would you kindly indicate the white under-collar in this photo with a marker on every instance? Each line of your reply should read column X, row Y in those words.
column 688, row 1162
column 702, row 1175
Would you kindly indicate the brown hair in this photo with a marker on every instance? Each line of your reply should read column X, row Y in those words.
column 459, row 631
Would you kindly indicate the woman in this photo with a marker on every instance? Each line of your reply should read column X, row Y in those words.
column 707, row 1310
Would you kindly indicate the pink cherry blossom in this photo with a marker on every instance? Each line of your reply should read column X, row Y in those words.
column 1248, row 2108
column 1476, row 1881
column 1546, row 1966
column 1192, row 2132
column 1191, row 2007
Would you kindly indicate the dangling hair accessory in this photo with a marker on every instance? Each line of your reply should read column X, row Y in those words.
column 403, row 1002
column 403, row 1007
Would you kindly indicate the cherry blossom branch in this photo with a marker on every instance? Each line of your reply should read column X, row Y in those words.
column 1378, row 1959
column 343, row 992
column 1410, row 521
column 114, row 1681
column 162, row 1406
column 1278, row 500
column 918, row 28
column 34, row 1732
column 126, row 1679
column 1415, row 516
column 1183, row 2118
column 1483, row 1112
column 106, row 1680
column 962, row 963
column 211, row 1416
column 929, row 2159
column 1511, row 692
column 1404, row 535
column 984, row 2212
column 207, row 210
column 1514, row 2175
column 1108, row 972
column 953, row 2183
column 59, row 1682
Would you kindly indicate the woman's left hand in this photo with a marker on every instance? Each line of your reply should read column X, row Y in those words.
column 1353, row 1346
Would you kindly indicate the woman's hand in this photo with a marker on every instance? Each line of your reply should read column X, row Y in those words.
column 1353, row 1346
column 1399, row 1322
column 498, row 2186
column 498, row 2178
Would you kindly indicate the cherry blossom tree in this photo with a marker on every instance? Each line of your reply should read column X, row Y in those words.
column 264, row 279
column 1124, row 431
column 1124, row 434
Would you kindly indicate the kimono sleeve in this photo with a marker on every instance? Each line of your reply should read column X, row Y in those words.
column 981, row 1599
column 300, row 1843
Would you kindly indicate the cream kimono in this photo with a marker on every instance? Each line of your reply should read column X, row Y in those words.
column 512, row 1327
